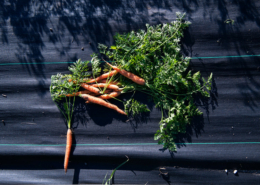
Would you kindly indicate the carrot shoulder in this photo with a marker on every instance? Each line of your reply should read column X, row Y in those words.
column 68, row 149
column 129, row 75
column 99, row 101
column 103, row 76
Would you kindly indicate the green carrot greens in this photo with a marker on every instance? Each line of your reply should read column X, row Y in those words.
column 60, row 87
column 155, row 56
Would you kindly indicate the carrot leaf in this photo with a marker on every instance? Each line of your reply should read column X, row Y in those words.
column 80, row 69
column 133, row 107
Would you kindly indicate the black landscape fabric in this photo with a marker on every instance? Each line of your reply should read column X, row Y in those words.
column 42, row 38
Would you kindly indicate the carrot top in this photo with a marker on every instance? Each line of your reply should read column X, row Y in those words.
column 151, row 62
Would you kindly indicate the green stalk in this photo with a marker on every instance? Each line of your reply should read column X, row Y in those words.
column 61, row 111
column 69, row 124
column 185, row 93
column 113, row 172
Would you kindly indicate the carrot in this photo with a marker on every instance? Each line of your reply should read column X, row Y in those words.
column 129, row 75
column 103, row 76
column 111, row 95
column 99, row 101
column 78, row 93
column 68, row 149
column 114, row 87
column 90, row 88
column 87, row 92
column 107, row 81
column 107, row 91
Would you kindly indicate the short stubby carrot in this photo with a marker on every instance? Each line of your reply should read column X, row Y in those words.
column 108, row 86
column 109, row 96
column 68, row 149
column 99, row 101
column 90, row 88
column 103, row 76
column 129, row 75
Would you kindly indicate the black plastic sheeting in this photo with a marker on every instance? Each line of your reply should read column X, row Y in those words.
column 225, row 137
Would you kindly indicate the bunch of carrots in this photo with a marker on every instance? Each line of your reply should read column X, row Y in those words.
column 92, row 93
column 97, row 91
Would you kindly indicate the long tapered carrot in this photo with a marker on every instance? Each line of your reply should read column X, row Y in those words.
column 88, row 92
column 90, row 88
column 107, row 81
column 99, row 101
column 129, row 75
column 109, row 96
column 77, row 93
column 108, row 86
column 103, row 76
column 68, row 149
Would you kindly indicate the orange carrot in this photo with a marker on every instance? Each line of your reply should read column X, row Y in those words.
column 90, row 88
column 87, row 92
column 129, row 75
column 107, row 81
column 78, row 93
column 68, row 149
column 107, row 91
column 114, row 87
column 103, row 76
column 111, row 95
column 99, row 101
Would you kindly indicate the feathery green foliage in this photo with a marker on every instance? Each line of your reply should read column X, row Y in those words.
column 80, row 69
column 133, row 107
column 60, row 86
column 95, row 62
column 154, row 55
